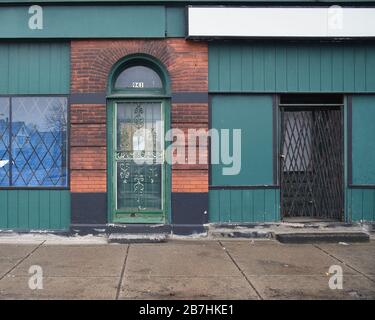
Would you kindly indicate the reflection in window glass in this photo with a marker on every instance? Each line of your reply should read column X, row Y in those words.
column 138, row 77
column 4, row 141
column 39, row 142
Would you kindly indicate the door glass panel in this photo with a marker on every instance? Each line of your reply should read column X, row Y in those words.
column 139, row 156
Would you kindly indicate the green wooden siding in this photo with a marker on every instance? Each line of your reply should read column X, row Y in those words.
column 291, row 67
column 35, row 209
column 360, row 204
column 176, row 22
column 253, row 115
column 246, row 205
column 363, row 139
column 104, row 21
column 34, row 68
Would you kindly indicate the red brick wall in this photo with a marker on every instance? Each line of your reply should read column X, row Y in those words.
column 91, row 63
column 190, row 177
column 92, row 60
column 88, row 148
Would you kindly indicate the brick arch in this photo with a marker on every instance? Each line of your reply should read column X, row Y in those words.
column 91, row 61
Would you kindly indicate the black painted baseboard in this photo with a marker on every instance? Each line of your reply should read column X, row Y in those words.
column 89, row 208
column 189, row 208
column 89, row 215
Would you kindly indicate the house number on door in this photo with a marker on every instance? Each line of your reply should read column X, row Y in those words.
column 138, row 84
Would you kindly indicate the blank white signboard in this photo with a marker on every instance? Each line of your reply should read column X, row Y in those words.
column 281, row 22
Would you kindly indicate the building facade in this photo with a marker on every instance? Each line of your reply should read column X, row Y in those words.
column 100, row 101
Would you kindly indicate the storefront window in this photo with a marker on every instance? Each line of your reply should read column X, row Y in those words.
column 33, row 142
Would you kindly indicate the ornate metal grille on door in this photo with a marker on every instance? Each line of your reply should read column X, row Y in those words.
column 312, row 162
column 139, row 157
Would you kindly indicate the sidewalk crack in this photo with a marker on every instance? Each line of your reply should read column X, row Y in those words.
column 122, row 273
column 22, row 260
column 243, row 273
column 344, row 263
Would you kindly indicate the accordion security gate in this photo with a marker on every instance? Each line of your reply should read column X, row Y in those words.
column 311, row 163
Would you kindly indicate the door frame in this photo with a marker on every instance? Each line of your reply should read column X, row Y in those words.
column 280, row 127
column 121, row 216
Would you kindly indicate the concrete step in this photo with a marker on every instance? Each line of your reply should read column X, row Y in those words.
column 134, row 228
column 124, row 238
column 291, row 232
column 327, row 237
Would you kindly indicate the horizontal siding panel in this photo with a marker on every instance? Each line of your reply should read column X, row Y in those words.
column 34, row 68
column 35, row 209
column 244, row 205
column 103, row 21
column 291, row 67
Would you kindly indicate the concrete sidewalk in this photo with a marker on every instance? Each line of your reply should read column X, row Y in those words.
column 188, row 270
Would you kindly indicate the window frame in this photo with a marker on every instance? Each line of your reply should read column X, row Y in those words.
column 133, row 61
column 162, row 95
column 67, row 97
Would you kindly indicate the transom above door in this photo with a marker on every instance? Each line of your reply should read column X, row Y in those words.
column 138, row 110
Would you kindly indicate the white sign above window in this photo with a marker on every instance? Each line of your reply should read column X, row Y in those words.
column 330, row 22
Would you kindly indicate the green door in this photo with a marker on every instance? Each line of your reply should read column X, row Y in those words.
column 138, row 114
column 138, row 172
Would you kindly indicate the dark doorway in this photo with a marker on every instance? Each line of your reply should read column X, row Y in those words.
column 311, row 160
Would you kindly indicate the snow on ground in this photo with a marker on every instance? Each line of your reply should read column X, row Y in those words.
column 49, row 239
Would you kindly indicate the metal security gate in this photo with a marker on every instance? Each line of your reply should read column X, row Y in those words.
column 311, row 164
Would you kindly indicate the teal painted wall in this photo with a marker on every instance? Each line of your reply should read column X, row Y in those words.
column 363, row 140
column 253, row 114
column 101, row 21
column 251, row 205
column 176, row 21
column 312, row 68
column 291, row 67
column 34, row 68
column 35, row 209
column 360, row 204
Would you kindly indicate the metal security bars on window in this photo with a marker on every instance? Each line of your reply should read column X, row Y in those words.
column 33, row 142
